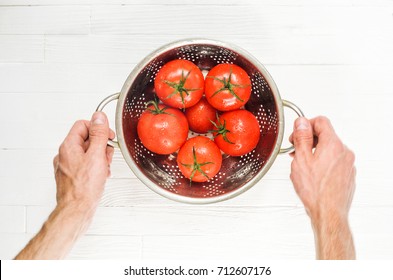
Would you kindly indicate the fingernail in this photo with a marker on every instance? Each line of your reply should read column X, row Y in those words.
column 98, row 118
column 302, row 124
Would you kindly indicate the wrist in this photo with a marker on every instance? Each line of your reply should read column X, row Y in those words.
column 329, row 222
column 76, row 210
column 333, row 237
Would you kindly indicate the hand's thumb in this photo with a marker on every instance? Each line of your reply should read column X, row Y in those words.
column 303, row 137
column 98, row 132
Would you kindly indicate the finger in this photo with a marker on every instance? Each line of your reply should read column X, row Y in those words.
column 109, row 154
column 322, row 128
column 303, row 137
column 79, row 132
column 315, row 143
column 55, row 162
column 111, row 134
column 324, row 133
column 352, row 186
column 98, row 133
column 86, row 145
column 109, row 172
column 75, row 139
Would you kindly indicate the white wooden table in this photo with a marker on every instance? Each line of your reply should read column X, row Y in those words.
column 59, row 58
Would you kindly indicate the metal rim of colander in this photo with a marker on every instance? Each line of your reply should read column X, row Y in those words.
column 122, row 99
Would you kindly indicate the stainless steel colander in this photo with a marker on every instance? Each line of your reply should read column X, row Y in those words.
column 160, row 172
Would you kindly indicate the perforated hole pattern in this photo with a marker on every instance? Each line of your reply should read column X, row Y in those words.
column 235, row 171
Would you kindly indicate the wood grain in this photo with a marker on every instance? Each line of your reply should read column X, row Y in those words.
column 202, row 2
column 12, row 243
column 107, row 247
column 123, row 189
column 298, row 20
column 12, row 219
column 268, row 47
column 44, row 20
column 199, row 2
column 21, row 48
column 59, row 59
column 182, row 219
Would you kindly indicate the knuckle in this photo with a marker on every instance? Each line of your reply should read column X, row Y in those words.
column 293, row 175
column 322, row 123
column 78, row 122
column 338, row 147
column 63, row 147
column 293, row 166
column 303, row 135
column 323, row 120
column 354, row 171
column 98, row 132
column 56, row 160
column 351, row 156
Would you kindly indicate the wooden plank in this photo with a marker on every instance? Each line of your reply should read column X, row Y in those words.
column 227, row 246
column 21, row 48
column 37, row 186
column 132, row 192
column 372, row 220
column 269, row 47
column 107, row 247
column 212, row 219
column 195, row 2
column 29, row 164
column 300, row 20
column 372, row 3
column 27, row 190
column 223, row 246
column 373, row 246
column 12, row 219
column 279, row 246
column 266, row 193
column 333, row 3
column 64, row 78
column 132, row 221
column 275, row 189
column 12, row 243
column 45, row 119
column 45, row 20
column 184, row 220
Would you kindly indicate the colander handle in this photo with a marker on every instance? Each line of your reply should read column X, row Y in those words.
column 101, row 107
column 299, row 112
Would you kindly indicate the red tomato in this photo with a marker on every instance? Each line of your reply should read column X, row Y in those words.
column 227, row 87
column 237, row 132
column 179, row 83
column 200, row 116
column 199, row 159
column 161, row 129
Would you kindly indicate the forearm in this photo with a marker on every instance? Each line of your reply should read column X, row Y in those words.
column 59, row 233
column 333, row 239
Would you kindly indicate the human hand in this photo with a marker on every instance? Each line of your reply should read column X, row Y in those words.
column 324, row 179
column 83, row 164
column 81, row 169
